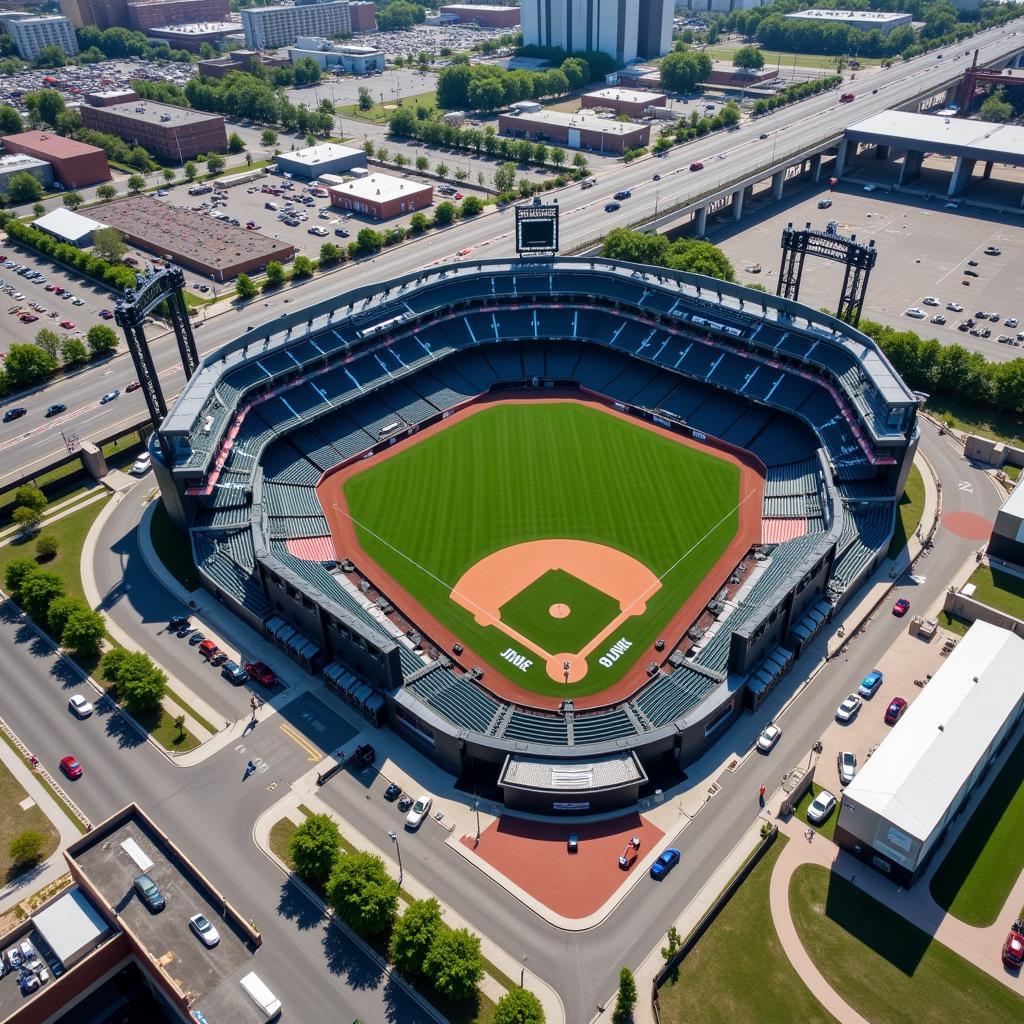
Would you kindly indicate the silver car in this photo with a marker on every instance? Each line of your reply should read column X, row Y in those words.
column 204, row 931
column 848, row 708
column 846, row 762
column 821, row 807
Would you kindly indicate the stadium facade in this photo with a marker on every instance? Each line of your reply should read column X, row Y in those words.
column 263, row 419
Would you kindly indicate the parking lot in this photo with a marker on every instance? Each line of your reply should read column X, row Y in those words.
column 924, row 250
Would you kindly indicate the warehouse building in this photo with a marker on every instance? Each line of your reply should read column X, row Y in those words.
column 75, row 165
column 865, row 21
column 67, row 226
column 19, row 163
column 577, row 131
column 381, row 196
column 326, row 158
column 900, row 804
column 269, row 27
column 193, row 240
column 1007, row 539
column 638, row 76
column 32, row 32
column 631, row 102
column 354, row 59
column 175, row 133
column 484, row 15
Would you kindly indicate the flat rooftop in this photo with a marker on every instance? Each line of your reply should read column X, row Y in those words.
column 159, row 113
column 52, row 145
column 626, row 95
column 198, row 28
column 320, row 154
column 112, row 857
column 587, row 121
column 11, row 162
column 820, row 14
column 949, row 136
column 379, row 187
column 174, row 230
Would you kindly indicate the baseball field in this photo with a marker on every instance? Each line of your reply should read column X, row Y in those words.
column 554, row 539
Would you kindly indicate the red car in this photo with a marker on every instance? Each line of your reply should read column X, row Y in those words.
column 70, row 767
column 895, row 709
column 696, row 166
column 463, row 252
column 51, row 287
column 261, row 673
column 1013, row 948
column 68, row 325
column 901, row 607
column 134, row 386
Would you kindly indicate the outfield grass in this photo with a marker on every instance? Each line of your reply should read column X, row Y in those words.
column 828, row 827
column 523, row 472
column 976, row 876
column 738, row 973
column 999, row 589
column 910, row 510
column 887, row 969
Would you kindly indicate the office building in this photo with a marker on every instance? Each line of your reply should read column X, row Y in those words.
column 269, row 27
column 350, row 57
column 75, row 165
column 146, row 14
column 900, row 804
column 363, row 16
column 484, row 15
column 20, row 163
column 175, row 133
column 238, row 60
column 865, row 21
column 97, row 13
column 381, row 196
column 631, row 102
column 67, row 226
column 327, row 158
column 626, row 30
column 31, row 33
column 577, row 131
column 192, row 36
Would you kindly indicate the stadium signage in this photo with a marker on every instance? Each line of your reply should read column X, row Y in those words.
column 570, row 805
column 513, row 657
column 698, row 436
column 616, row 651
column 537, row 228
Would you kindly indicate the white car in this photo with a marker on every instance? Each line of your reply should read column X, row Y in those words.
column 869, row 188
column 954, row 307
column 821, row 807
column 80, row 706
column 142, row 464
column 917, row 314
column 929, row 300
column 204, row 931
column 848, row 708
column 418, row 812
column 846, row 762
column 768, row 738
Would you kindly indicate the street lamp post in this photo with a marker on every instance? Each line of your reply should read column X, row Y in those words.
column 522, row 972
column 476, row 807
column 398, row 848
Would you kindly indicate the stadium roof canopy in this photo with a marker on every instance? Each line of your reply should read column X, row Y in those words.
column 948, row 136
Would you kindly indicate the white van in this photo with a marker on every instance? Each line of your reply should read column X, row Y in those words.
column 268, row 1003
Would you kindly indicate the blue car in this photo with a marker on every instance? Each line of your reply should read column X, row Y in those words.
column 870, row 684
column 665, row 863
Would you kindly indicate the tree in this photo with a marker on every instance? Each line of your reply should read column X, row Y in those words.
column 302, row 267
column 109, row 243
column 215, row 163
column 73, row 352
column 314, row 847
column 444, row 214
column 27, row 519
column 275, row 276
column 191, row 170
column 246, row 287
column 106, row 193
column 518, row 1006
column 45, row 105
column 136, row 183
column 235, row 143
column 30, row 496
column 382, row 154
column 101, row 339
column 414, row 935
column 674, row 942
column 365, row 98
column 368, row 242
column 625, row 1000
column 996, row 109
column 455, row 964
column 39, row 590
column 330, row 254
column 362, row 893
column 167, row 174
column 140, row 684
column 83, row 632
column 23, row 188
column 749, row 58
column 10, row 120
column 471, row 206
column 38, row 210
column 681, row 72
column 310, row 139
column 60, row 611
column 15, row 575
column 505, row 177
column 26, row 365
column 49, row 341
column 442, row 169
column 422, row 163
column 269, row 137
column 418, row 223
column 73, row 200
column 27, row 847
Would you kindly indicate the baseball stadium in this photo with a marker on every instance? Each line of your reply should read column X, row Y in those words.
column 556, row 522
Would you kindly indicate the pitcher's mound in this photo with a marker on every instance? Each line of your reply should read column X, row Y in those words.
column 559, row 611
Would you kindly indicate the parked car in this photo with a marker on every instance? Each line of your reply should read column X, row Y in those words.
column 207, row 648
column 196, row 638
column 846, row 763
column 364, row 755
column 218, row 658
column 393, row 792
column 234, row 673
column 1013, row 947
column 665, row 863
column 341, row 232
column 895, row 710
column 821, row 807
column 204, row 931
column 68, row 325
column 80, row 706
column 261, row 673
column 870, row 684
column 938, row 319
column 176, row 622
column 929, row 300
column 419, row 811
column 142, row 464
column 824, row 204
column 71, row 767
column 915, row 313
column 848, row 708
column 149, row 892
column 991, row 250
column 954, row 307
column 768, row 738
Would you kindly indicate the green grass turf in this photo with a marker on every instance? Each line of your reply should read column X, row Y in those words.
column 528, row 613
column 999, row 589
column 887, row 969
column 522, row 472
column 828, row 827
column 910, row 509
column 976, row 876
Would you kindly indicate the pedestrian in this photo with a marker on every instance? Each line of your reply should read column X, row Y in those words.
column 760, row 795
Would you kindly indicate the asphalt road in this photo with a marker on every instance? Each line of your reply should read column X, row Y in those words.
column 33, row 441
column 211, row 812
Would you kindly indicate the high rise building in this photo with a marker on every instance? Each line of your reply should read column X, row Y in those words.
column 624, row 29
column 30, row 33
column 270, row 27
column 98, row 13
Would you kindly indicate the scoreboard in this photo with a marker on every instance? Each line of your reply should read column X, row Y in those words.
column 537, row 228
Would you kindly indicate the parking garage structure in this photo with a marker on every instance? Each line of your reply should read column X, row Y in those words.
column 900, row 135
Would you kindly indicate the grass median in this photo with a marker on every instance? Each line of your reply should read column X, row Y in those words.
column 908, row 512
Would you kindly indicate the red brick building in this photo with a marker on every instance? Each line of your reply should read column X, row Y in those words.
column 175, row 133
column 75, row 165
column 577, row 131
column 147, row 14
column 484, row 15
column 381, row 196
column 363, row 17
column 739, row 78
column 238, row 60
column 631, row 102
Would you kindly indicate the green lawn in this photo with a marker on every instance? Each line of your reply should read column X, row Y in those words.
column 1002, row 590
column 887, row 969
column 910, row 508
column 14, row 821
column 977, row 874
column 564, row 471
column 828, row 827
column 776, row 58
column 378, row 114
column 954, row 624
column 1002, row 426
column 738, row 973
column 280, row 836
column 172, row 548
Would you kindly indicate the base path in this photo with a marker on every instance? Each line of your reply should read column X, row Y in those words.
column 330, row 492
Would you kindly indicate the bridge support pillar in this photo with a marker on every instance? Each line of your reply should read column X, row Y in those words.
column 1022, row 202
column 737, row 203
column 987, row 173
column 778, row 182
column 700, row 221
column 911, row 166
column 841, row 154
column 961, row 176
column 816, row 168
column 882, row 152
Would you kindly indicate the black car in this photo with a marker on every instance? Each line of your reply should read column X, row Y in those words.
column 364, row 755
column 14, row 414
column 972, row 263
column 218, row 659
column 963, row 327
column 393, row 792
column 177, row 621
column 624, row 194
column 149, row 892
column 971, row 273
column 234, row 673
column 185, row 628
column 341, row 232
column 405, row 803
column 763, row 135
column 612, row 207
column 196, row 638
column 56, row 409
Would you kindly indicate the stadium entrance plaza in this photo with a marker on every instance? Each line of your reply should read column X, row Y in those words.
column 922, row 250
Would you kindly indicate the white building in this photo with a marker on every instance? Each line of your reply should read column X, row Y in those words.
column 624, row 29
column 897, row 809
column 349, row 57
column 267, row 28
column 866, row 21
column 719, row 6
column 32, row 32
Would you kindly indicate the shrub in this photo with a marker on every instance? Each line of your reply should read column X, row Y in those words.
column 314, row 847
column 46, row 548
column 27, row 847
